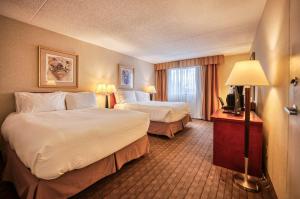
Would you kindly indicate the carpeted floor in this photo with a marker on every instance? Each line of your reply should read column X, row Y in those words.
column 175, row 168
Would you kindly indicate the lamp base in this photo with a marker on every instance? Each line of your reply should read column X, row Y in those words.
column 106, row 101
column 151, row 96
column 246, row 182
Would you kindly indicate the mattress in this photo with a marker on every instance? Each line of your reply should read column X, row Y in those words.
column 159, row 111
column 53, row 143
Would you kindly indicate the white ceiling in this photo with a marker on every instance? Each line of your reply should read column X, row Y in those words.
column 151, row 30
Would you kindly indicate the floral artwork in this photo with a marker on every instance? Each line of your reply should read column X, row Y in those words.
column 57, row 69
column 126, row 77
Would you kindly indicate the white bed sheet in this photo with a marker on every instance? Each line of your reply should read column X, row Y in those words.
column 52, row 143
column 159, row 111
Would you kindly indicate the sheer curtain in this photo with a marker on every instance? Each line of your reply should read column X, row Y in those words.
column 185, row 85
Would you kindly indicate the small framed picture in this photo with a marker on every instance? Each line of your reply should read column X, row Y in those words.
column 57, row 69
column 126, row 77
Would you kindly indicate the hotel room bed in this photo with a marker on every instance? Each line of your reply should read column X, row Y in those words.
column 57, row 154
column 159, row 111
column 167, row 118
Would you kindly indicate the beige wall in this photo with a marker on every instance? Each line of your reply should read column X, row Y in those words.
column 19, row 61
column 225, row 69
column 271, row 45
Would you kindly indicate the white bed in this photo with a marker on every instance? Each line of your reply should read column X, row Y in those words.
column 159, row 111
column 167, row 118
column 55, row 142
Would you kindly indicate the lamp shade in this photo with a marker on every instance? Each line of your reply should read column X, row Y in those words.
column 101, row 89
column 150, row 89
column 110, row 88
column 247, row 73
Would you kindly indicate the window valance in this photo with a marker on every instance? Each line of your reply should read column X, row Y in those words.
column 201, row 61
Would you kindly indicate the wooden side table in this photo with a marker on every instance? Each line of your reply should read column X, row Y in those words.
column 228, row 142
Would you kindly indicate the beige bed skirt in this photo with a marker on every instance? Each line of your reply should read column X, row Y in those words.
column 30, row 187
column 168, row 128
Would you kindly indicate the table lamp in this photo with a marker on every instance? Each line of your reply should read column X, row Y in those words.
column 150, row 89
column 247, row 73
column 102, row 89
column 105, row 89
column 110, row 88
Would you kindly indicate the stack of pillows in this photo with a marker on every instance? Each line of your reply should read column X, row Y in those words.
column 124, row 96
column 56, row 101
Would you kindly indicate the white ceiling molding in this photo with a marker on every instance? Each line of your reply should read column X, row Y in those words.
column 152, row 30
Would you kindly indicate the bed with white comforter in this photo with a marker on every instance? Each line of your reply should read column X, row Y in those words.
column 159, row 111
column 53, row 143
column 167, row 118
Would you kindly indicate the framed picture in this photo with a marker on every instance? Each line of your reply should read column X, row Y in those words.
column 57, row 69
column 126, row 77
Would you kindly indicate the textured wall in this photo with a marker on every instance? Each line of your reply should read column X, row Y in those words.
column 225, row 69
column 19, row 61
column 271, row 45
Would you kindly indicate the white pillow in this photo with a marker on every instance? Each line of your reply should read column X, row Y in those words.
column 81, row 100
column 123, row 96
column 142, row 96
column 39, row 102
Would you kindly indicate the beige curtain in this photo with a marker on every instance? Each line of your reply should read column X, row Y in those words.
column 209, row 76
column 161, row 85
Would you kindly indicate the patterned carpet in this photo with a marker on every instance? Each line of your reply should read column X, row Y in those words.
column 175, row 168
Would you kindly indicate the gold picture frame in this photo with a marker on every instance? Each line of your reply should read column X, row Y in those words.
column 57, row 69
column 126, row 76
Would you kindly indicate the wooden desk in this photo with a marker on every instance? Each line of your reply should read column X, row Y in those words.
column 228, row 142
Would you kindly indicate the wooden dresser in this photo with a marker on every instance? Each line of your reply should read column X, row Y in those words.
column 228, row 142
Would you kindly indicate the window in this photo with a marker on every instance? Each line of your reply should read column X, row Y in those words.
column 184, row 85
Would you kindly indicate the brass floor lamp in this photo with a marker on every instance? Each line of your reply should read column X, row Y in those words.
column 247, row 73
